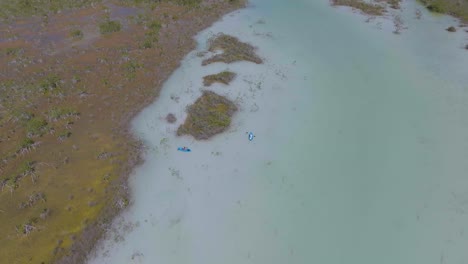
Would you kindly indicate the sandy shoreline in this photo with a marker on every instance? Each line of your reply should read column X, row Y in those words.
column 103, row 223
column 108, row 80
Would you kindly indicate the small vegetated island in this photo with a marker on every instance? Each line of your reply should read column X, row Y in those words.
column 224, row 77
column 211, row 114
column 233, row 50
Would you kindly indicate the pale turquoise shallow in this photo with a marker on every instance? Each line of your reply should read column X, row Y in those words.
column 360, row 154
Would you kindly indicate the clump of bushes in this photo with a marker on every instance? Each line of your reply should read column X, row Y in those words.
column 26, row 143
column 45, row 213
column 233, row 50
column 151, row 36
column 12, row 51
column 170, row 118
column 76, row 34
column 57, row 113
column 33, row 199
column 64, row 135
column 36, row 127
column 224, row 77
column 50, row 84
column 209, row 115
column 26, row 146
column 27, row 227
column 109, row 26
column 451, row 29
column 131, row 68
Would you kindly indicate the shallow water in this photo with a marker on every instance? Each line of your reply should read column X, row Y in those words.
column 360, row 154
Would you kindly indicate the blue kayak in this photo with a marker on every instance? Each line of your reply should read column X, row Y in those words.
column 184, row 149
column 251, row 136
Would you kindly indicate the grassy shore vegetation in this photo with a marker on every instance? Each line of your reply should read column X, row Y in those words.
column 65, row 147
column 233, row 50
column 456, row 8
column 395, row 4
column 224, row 77
column 369, row 8
column 209, row 115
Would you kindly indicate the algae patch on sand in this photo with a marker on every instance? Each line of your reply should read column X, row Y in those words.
column 224, row 77
column 233, row 50
column 209, row 115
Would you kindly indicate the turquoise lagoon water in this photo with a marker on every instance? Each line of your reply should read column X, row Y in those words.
column 360, row 154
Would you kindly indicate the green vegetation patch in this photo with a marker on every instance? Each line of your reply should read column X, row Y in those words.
column 152, row 34
column 457, row 8
column 12, row 51
column 365, row 7
column 50, row 84
column 26, row 143
column 109, row 26
column 233, row 50
column 209, row 115
column 395, row 4
column 36, row 126
column 76, row 34
column 57, row 113
column 131, row 68
column 224, row 77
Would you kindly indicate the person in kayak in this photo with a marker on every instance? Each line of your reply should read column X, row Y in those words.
column 251, row 135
